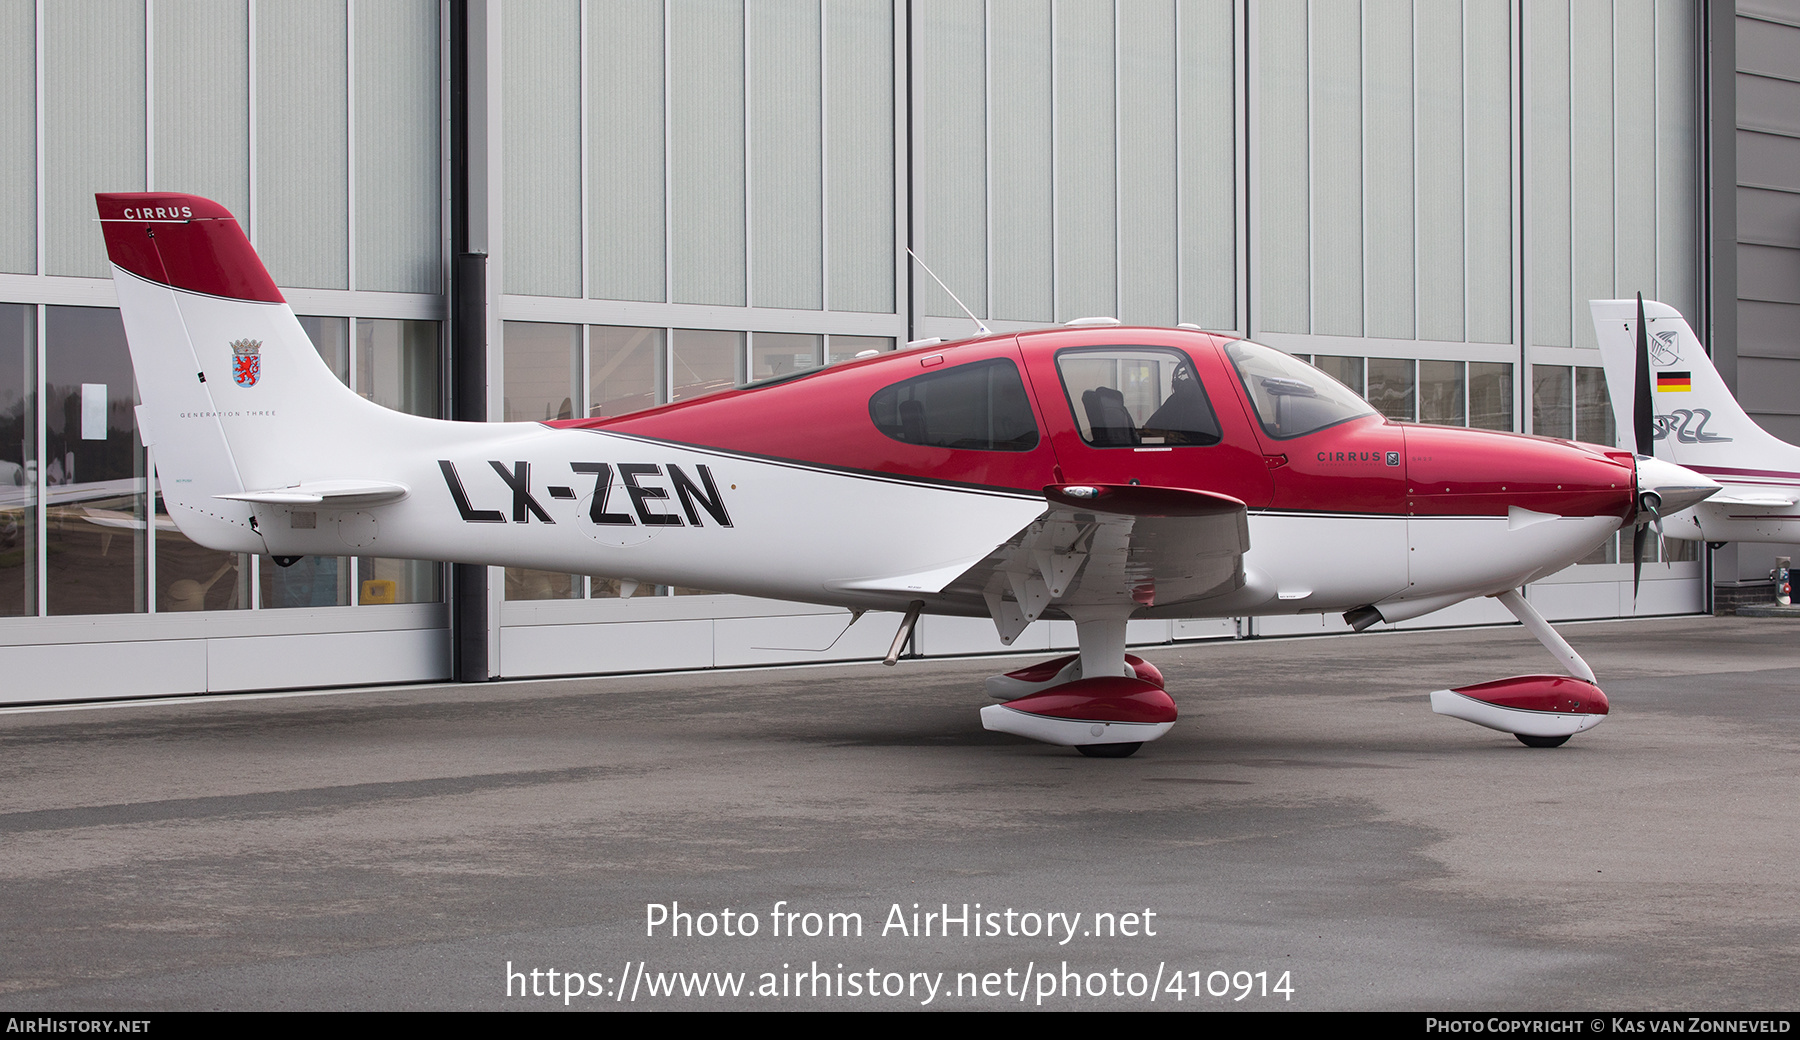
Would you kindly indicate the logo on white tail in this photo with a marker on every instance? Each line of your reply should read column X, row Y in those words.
column 1664, row 349
column 246, row 361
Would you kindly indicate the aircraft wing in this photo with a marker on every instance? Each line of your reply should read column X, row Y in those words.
column 1107, row 545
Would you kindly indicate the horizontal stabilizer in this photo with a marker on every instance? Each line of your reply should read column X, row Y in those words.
column 326, row 492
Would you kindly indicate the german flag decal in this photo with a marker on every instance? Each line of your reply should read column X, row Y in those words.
column 1677, row 382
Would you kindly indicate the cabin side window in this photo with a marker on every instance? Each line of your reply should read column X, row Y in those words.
column 1130, row 397
column 979, row 407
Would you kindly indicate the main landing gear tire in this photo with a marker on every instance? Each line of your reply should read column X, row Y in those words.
column 1125, row 750
column 1530, row 741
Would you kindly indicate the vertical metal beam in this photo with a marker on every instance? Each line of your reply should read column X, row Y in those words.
column 468, row 316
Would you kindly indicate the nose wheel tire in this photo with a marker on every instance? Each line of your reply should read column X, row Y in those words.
column 1530, row 741
column 1123, row 750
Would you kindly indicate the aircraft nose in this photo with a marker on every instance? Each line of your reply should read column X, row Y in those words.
column 1666, row 489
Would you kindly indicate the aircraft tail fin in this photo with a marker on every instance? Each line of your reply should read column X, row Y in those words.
column 1697, row 422
column 236, row 400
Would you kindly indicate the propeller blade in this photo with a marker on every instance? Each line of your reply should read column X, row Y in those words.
column 1643, row 420
column 1638, row 538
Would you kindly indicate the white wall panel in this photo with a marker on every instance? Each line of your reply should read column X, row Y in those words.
column 1634, row 145
column 399, row 243
column 1548, row 69
column 1593, row 201
column 302, row 142
column 859, row 154
column 94, row 670
column 18, row 128
column 950, row 636
column 949, row 161
column 1284, row 286
column 1337, row 162
column 1022, row 160
column 787, row 193
column 1441, row 174
column 625, row 150
column 706, row 152
column 541, row 164
column 1148, row 139
column 1487, row 77
column 589, row 649
column 1207, row 66
column 1082, row 42
column 337, row 659
column 93, row 124
column 1388, row 204
column 202, row 101
column 1677, row 158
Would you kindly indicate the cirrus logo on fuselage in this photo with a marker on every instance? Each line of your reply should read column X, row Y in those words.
column 1390, row 458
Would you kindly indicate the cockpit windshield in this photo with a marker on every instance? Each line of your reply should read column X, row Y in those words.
column 1291, row 397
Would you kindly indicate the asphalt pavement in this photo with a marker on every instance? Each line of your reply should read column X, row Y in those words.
column 1310, row 836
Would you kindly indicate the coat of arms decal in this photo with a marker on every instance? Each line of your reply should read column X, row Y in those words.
column 246, row 361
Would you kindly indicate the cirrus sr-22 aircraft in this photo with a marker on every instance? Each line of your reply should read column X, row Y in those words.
column 1096, row 473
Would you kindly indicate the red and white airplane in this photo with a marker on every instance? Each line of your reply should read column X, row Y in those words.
column 1095, row 473
column 1661, row 379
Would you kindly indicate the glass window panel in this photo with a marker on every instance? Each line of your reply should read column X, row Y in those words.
column 314, row 581
column 18, row 460
column 1490, row 395
column 193, row 577
column 1552, row 401
column 1593, row 411
column 1441, row 392
column 331, row 338
column 1391, row 387
column 608, row 588
column 844, row 348
column 1127, row 396
column 311, row 581
column 94, row 468
column 705, row 362
column 542, row 371
column 1346, row 370
column 979, row 406
column 775, row 354
column 380, row 581
column 1609, row 552
column 523, row 583
column 397, row 365
column 625, row 369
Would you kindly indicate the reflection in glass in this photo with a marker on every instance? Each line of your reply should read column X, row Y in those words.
column 18, row 460
column 522, row 583
column 1391, row 387
column 312, row 581
column 542, row 371
column 705, row 362
column 380, row 581
column 397, row 365
column 331, row 338
column 1346, row 370
column 94, row 468
column 1288, row 395
column 844, row 348
column 1490, row 395
column 1593, row 412
column 1441, row 392
column 191, row 577
column 625, row 369
column 775, row 354
column 1552, row 398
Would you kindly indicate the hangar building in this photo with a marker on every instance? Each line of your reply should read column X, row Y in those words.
column 547, row 208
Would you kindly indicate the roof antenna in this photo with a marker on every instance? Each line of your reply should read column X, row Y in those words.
column 985, row 331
